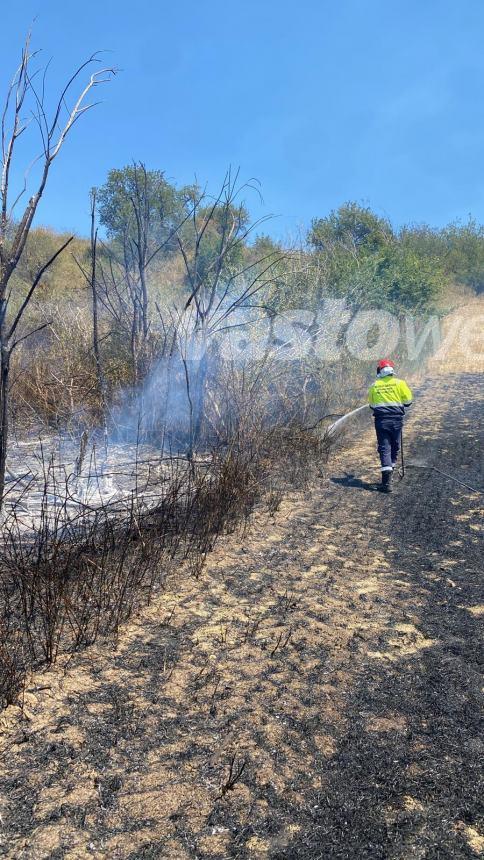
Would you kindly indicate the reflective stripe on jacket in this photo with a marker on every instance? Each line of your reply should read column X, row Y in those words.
column 389, row 397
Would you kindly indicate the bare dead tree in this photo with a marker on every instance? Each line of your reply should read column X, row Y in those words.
column 90, row 276
column 140, row 202
column 211, row 237
column 125, row 264
column 218, row 281
column 24, row 94
column 101, row 380
column 95, row 311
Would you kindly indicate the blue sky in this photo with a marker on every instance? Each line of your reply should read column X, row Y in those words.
column 322, row 102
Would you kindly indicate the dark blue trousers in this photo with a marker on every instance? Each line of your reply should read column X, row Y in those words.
column 388, row 434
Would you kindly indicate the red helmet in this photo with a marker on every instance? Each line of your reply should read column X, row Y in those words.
column 385, row 362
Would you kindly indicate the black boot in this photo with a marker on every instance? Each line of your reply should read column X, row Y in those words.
column 386, row 481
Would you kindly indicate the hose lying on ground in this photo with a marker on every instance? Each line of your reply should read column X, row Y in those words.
column 445, row 474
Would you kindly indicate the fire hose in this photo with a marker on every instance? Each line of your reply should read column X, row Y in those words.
column 333, row 427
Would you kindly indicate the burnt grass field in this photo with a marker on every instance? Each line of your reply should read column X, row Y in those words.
column 313, row 693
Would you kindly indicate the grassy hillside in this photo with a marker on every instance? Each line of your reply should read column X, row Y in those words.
column 351, row 256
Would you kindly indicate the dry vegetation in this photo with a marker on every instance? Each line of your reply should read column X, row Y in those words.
column 314, row 691
column 69, row 578
column 99, row 341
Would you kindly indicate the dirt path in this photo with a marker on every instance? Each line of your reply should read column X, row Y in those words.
column 332, row 652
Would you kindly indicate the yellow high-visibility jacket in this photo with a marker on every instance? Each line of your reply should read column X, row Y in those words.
column 389, row 397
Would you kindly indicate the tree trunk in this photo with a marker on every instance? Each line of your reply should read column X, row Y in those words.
column 4, row 372
column 199, row 397
column 95, row 321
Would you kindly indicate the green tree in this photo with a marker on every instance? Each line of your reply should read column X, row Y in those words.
column 407, row 280
column 465, row 253
column 425, row 241
column 142, row 214
column 353, row 226
column 362, row 259
column 134, row 190
column 459, row 249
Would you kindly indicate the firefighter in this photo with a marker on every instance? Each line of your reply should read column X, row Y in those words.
column 389, row 399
